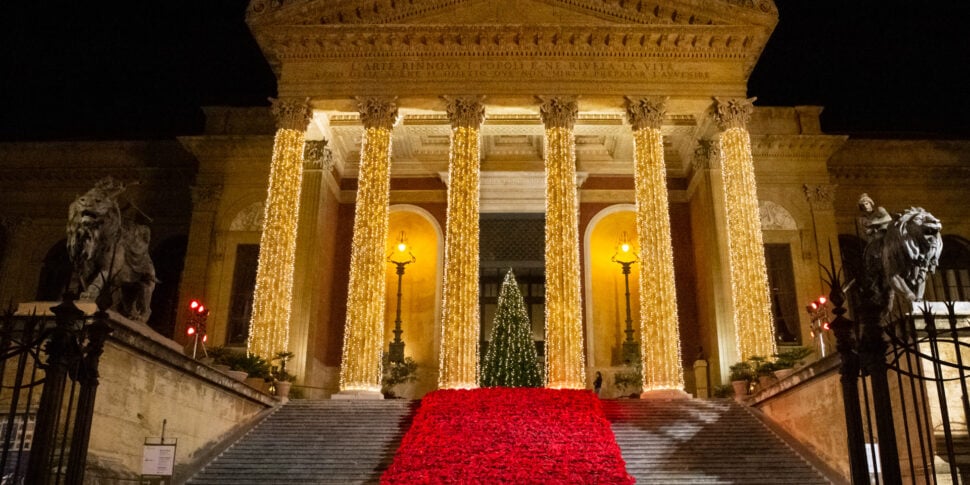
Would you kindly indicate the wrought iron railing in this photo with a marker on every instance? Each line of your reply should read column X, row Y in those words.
column 48, row 383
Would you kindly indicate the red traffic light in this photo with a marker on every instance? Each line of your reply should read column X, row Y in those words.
column 194, row 304
column 190, row 330
column 825, row 326
column 822, row 300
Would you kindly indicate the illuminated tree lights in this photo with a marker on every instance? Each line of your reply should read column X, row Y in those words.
column 511, row 360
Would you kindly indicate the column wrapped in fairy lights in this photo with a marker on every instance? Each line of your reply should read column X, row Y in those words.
column 458, row 367
column 272, row 298
column 659, row 327
column 360, row 369
column 565, row 362
column 749, row 278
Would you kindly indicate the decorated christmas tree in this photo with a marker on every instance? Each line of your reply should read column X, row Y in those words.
column 511, row 360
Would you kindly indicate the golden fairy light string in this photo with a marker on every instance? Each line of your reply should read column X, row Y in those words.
column 659, row 327
column 460, row 319
column 565, row 362
column 364, row 330
column 749, row 278
column 272, row 297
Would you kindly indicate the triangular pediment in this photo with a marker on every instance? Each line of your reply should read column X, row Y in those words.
column 513, row 12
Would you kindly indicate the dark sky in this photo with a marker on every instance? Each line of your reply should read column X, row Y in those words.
column 142, row 68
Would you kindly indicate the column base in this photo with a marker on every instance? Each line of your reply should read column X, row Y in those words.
column 358, row 395
column 665, row 395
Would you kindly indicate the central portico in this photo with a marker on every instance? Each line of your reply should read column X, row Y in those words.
column 577, row 109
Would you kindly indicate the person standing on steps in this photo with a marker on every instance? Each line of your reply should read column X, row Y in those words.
column 598, row 384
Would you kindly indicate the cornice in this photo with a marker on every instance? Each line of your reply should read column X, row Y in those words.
column 902, row 175
column 229, row 146
column 621, row 41
column 75, row 175
column 796, row 146
column 387, row 12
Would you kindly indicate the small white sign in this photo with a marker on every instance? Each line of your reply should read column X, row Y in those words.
column 158, row 460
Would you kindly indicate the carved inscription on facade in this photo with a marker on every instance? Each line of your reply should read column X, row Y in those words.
column 503, row 70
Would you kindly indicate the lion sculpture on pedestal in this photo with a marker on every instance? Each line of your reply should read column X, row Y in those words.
column 911, row 249
column 109, row 253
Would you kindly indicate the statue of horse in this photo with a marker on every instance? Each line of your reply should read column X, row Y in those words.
column 110, row 253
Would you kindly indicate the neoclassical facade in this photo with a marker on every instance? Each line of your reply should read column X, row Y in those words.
column 538, row 135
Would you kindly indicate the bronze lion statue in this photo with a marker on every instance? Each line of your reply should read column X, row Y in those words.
column 109, row 253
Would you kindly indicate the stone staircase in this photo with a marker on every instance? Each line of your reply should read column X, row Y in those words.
column 320, row 442
column 697, row 441
column 673, row 442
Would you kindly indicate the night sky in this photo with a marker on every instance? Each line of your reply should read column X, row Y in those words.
column 142, row 68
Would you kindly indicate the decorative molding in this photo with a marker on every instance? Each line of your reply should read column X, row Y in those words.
column 819, row 196
column 646, row 112
column 796, row 146
column 378, row 112
column 206, row 197
column 558, row 111
column 465, row 111
column 733, row 112
column 938, row 175
column 249, row 219
column 330, row 12
column 623, row 41
column 317, row 155
column 774, row 217
column 291, row 113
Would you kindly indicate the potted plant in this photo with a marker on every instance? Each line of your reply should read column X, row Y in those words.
column 787, row 361
column 397, row 373
column 629, row 382
column 741, row 375
column 256, row 368
column 764, row 370
column 282, row 380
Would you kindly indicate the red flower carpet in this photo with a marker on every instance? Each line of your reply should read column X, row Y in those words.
column 508, row 435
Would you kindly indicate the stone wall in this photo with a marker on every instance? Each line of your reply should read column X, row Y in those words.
column 145, row 381
column 808, row 406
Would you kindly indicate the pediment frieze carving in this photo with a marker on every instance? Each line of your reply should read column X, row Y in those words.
column 345, row 12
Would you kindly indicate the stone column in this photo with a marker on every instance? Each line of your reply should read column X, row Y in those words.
column 272, row 299
column 317, row 161
column 746, row 253
column 360, row 370
column 565, row 366
column 659, row 324
column 460, row 313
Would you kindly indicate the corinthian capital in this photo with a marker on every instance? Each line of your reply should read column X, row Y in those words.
column 558, row 111
column 465, row 111
column 706, row 155
column 819, row 196
column 646, row 112
column 733, row 112
column 291, row 113
column 377, row 112
column 316, row 155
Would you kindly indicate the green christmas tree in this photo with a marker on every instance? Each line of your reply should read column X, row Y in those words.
column 511, row 360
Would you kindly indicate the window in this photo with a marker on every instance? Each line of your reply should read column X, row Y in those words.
column 784, row 304
column 241, row 298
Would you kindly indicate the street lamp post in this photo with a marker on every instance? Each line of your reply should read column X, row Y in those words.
column 626, row 258
column 401, row 258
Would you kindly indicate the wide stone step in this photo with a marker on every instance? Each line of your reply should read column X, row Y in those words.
column 695, row 442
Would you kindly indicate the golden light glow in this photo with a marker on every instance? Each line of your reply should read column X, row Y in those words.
column 625, row 248
column 272, row 297
column 458, row 368
column 364, row 330
column 749, row 278
column 659, row 324
column 565, row 361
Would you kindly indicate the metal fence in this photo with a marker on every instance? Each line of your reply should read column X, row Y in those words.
column 48, row 383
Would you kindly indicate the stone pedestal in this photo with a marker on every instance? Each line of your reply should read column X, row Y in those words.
column 358, row 395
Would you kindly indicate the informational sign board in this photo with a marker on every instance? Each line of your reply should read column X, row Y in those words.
column 158, row 462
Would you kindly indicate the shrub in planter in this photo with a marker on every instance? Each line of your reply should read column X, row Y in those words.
column 397, row 373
